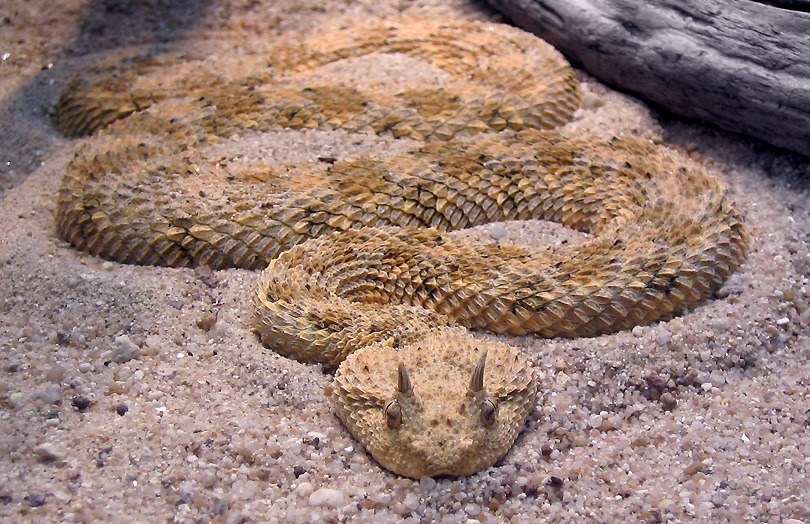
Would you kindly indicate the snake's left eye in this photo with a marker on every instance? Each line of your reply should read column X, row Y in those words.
column 489, row 411
column 393, row 414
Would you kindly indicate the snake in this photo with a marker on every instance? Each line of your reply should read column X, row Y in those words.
column 361, row 270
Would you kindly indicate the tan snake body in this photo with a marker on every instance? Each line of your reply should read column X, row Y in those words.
column 360, row 272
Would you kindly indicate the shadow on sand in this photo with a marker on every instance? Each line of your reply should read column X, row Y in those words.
column 25, row 122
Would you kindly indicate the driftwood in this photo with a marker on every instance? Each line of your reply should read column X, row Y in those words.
column 742, row 65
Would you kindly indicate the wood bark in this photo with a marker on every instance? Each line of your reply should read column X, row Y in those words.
column 742, row 65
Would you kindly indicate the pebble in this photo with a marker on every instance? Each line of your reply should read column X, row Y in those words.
column 327, row 497
column 56, row 373
column 81, row 403
column 498, row 232
column 592, row 101
column 85, row 367
column 668, row 401
column 411, row 501
column 35, row 500
column 124, row 350
column 209, row 479
column 427, row 483
column 15, row 400
column 304, row 489
column 693, row 468
column 122, row 409
column 118, row 388
column 47, row 453
column 50, row 395
column 206, row 321
column 638, row 331
column 176, row 304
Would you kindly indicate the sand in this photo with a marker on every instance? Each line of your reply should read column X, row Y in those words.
column 141, row 394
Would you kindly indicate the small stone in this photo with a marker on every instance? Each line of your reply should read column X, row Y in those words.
column 693, row 468
column 206, row 321
column 124, row 350
column 274, row 451
column 498, row 232
column 50, row 395
column 298, row 470
column 592, row 101
column 122, row 409
column 668, row 401
column 304, row 489
column 427, row 483
column 533, row 486
column 35, row 500
column 247, row 450
column 328, row 497
column 411, row 501
column 176, row 304
column 16, row 399
column 81, row 403
column 118, row 388
column 47, row 453
column 219, row 506
column 85, row 367
column 56, row 373
column 107, row 265
column 209, row 479
column 638, row 331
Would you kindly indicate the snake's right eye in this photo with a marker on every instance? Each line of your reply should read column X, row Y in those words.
column 489, row 411
column 393, row 414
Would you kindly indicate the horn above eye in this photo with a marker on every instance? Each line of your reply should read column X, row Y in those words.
column 404, row 382
column 477, row 381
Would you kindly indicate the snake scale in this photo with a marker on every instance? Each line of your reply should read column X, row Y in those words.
column 359, row 272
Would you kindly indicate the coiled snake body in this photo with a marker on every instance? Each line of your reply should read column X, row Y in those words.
column 359, row 272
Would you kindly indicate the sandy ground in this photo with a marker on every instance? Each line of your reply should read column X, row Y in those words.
column 141, row 394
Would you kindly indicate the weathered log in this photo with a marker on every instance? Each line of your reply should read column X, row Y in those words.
column 742, row 65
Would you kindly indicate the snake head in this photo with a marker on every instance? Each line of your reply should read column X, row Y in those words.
column 447, row 404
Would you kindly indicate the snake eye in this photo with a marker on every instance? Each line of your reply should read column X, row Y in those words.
column 393, row 414
column 489, row 411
